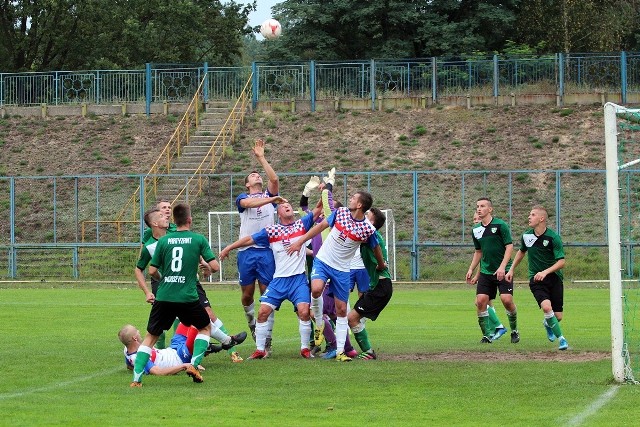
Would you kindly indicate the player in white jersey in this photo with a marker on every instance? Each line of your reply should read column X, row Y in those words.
column 256, row 208
column 167, row 361
column 349, row 229
column 289, row 279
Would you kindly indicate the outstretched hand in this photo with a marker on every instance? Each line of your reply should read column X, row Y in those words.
column 258, row 149
column 278, row 199
column 295, row 247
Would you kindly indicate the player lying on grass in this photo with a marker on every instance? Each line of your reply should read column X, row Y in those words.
column 289, row 279
column 167, row 361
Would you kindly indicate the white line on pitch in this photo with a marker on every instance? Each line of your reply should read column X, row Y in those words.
column 594, row 407
column 6, row 396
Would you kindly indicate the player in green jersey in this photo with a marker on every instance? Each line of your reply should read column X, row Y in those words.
column 546, row 260
column 164, row 206
column 175, row 265
column 373, row 301
column 493, row 248
column 495, row 323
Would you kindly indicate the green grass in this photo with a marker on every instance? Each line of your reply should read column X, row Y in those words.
column 62, row 365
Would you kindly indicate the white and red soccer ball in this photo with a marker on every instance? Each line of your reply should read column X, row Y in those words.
column 270, row 29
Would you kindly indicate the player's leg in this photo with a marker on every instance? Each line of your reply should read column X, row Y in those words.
column 298, row 294
column 506, row 296
column 160, row 318
column 265, row 268
column 369, row 306
column 485, row 290
column 496, row 324
column 339, row 286
column 269, row 301
column 247, row 286
column 319, row 278
column 553, row 307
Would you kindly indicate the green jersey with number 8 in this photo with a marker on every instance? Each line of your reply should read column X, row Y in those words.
column 177, row 258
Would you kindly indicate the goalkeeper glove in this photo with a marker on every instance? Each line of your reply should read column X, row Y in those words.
column 313, row 183
column 331, row 177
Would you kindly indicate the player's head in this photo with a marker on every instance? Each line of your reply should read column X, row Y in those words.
column 164, row 206
column 128, row 334
column 538, row 215
column 285, row 211
column 181, row 214
column 476, row 218
column 484, row 207
column 360, row 201
column 156, row 218
column 376, row 217
column 253, row 179
column 337, row 204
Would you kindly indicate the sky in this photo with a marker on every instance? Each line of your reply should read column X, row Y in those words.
column 263, row 13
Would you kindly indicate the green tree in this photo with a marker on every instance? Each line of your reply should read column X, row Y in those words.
column 85, row 34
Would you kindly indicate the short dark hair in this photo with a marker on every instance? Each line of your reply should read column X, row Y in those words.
column 366, row 199
column 181, row 213
column 163, row 200
column 246, row 178
column 148, row 214
column 379, row 218
column 485, row 198
column 337, row 204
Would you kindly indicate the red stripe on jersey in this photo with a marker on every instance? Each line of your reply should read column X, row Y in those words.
column 280, row 237
column 350, row 233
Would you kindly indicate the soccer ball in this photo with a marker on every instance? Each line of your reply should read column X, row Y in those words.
column 270, row 29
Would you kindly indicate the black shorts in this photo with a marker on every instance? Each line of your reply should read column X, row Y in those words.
column 372, row 302
column 163, row 313
column 550, row 288
column 154, row 286
column 488, row 284
column 202, row 295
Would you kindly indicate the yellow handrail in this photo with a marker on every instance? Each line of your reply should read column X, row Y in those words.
column 163, row 162
column 209, row 162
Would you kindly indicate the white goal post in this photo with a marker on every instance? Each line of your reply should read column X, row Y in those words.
column 224, row 229
column 619, row 351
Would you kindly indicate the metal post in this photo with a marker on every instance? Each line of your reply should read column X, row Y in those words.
column 558, row 187
column 434, row 79
column 415, row 273
column 372, row 83
column 623, row 76
column 148, row 89
column 312, row 84
column 495, row 76
column 205, row 90
column 254, row 85
column 55, row 238
column 561, row 77
column 12, row 229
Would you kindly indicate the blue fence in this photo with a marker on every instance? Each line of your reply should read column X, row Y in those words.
column 63, row 226
column 433, row 78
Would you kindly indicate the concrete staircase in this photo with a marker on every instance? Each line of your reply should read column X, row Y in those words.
column 192, row 155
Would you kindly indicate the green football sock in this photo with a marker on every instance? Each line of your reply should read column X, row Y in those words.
column 554, row 324
column 362, row 338
column 200, row 344
column 161, row 341
column 513, row 320
column 142, row 357
column 494, row 321
column 483, row 321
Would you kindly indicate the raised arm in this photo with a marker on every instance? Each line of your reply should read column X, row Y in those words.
column 274, row 184
column 256, row 202
column 240, row 243
column 315, row 230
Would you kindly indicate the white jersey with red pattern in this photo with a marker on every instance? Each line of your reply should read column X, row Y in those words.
column 346, row 235
column 253, row 220
column 163, row 358
column 279, row 237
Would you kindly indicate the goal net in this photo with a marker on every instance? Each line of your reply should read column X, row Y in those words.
column 224, row 229
column 622, row 140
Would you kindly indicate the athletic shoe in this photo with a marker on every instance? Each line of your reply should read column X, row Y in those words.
column 485, row 340
column 267, row 346
column 235, row 340
column 550, row 335
column 135, row 384
column 235, row 357
column 515, row 337
column 306, row 353
column 367, row 355
column 499, row 332
column 353, row 353
column 341, row 357
column 194, row 374
column 563, row 344
column 318, row 336
column 331, row 354
column 213, row 348
column 258, row 354
column 252, row 329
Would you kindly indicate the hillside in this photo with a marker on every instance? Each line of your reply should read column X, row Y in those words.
column 485, row 138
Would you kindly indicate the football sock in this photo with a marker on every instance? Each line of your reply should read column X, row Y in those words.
column 513, row 319
column 341, row 333
column 142, row 357
column 249, row 313
column 261, row 335
column 553, row 323
column 161, row 343
column 200, row 345
column 493, row 318
column 270, row 320
column 218, row 334
column 304, row 326
column 362, row 338
column 316, row 310
column 483, row 320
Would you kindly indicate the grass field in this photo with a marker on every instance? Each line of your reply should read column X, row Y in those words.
column 61, row 364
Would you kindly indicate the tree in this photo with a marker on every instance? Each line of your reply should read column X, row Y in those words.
column 83, row 34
